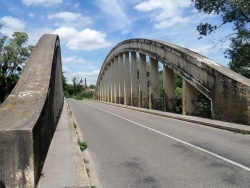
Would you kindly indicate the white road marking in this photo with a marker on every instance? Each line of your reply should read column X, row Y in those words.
column 176, row 139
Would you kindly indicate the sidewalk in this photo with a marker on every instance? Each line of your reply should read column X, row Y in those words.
column 61, row 167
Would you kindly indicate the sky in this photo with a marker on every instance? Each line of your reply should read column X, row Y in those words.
column 89, row 29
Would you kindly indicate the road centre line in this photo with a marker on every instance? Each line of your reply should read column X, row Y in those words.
column 176, row 139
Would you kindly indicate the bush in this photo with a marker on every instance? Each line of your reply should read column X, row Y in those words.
column 85, row 95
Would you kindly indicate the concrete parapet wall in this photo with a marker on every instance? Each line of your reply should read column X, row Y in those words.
column 28, row 117
column 228, row 91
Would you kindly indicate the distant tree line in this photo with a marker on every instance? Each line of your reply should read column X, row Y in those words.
column 77, row 89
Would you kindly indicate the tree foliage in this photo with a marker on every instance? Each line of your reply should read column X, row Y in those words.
column 76, row 89
column 236, row 12
column 13, row 56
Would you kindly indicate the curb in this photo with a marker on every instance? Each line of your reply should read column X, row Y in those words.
column 236, row 128
column 81, row 173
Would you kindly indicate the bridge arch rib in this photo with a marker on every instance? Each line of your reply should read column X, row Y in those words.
column 228, row 91
column 28, row 117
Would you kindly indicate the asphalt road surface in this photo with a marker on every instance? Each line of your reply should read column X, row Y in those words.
column 135, row 149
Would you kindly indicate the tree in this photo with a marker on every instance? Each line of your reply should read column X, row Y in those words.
column 92, row 86
column 13, row 56
column 77, row 85
column 236, row 12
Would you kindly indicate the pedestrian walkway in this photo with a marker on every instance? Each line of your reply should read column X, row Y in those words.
column 59, row 169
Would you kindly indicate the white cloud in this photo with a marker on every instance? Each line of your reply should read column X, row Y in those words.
column 65, row 69
column 115, row 11
column 44, row 3
column 70, row 19
column 85, row 74
column 172, row 21
column 36, row 33
column 75, row 60
column 165, row 13
column 204, row 49
column 91, row 76
column 11, row 25
column 31, row 15
column 86, row 39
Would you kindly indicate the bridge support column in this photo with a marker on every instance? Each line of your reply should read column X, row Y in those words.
column 134, row 80
column 127, row 86
column 189, row 94
column 105, row 85
column 101, row 90
column 143, row 90
column 116, row 80
column 111, row 81
column 168, row 88
column 108, row 83
column 154, row 84
column 121, row 79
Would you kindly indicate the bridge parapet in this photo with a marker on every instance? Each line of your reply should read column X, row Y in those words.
column 29, row 115
column 228, row 91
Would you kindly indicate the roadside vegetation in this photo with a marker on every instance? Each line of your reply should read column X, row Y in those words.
column 77, row 89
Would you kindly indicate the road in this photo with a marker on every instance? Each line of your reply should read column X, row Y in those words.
column 135, row 149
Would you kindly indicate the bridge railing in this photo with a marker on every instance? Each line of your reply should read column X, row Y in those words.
column 28, row 117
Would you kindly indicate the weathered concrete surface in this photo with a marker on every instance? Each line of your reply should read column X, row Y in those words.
column 29, row 115
column 228, row 91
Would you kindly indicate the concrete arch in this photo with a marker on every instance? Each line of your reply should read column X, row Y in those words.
column 28, row 117
column 228, row 91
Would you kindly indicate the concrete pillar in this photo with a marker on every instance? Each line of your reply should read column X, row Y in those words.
column 116, row 79
column 189, row 94
column 154, row 82
column 111, row 81
column 134, row 79
column 104, row 85
column 127, row 87
column 97, row 91
column 168, row 88
column 121, row 79
column 101, row 89
column 143, row 89
column 107, row 82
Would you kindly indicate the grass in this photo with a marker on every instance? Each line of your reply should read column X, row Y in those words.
column 75, row 126
column 82, row 145
column 93, row 186
column 87, row 170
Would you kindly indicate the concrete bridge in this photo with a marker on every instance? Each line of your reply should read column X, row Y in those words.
column 28, row 117
column 123, row 79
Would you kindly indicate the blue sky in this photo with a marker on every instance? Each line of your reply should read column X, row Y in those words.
column 88, row 29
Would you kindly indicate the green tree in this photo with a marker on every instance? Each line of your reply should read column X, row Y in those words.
column 236, row 12
column 77, row 85
column 13, row 56
column 92, row 86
